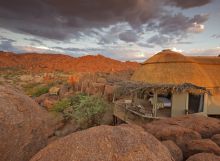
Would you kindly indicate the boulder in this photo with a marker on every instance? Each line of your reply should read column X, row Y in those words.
column 47, row 100
column 204, row 157
column 201, row 146
column 64, row 90
column 48, row 103
column 24, row 126
column 216, row 139
column 54, row 90
column 178, row 134
column 175, row 151
column 41, row 98
column 206, row 126
column 106, row 143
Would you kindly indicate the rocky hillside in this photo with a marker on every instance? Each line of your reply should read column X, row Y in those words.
column 57, row 62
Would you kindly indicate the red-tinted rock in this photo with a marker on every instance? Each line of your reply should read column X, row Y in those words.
column 201, row 146
column 24, row 126
column 216, row 139
column 106, row 143
column 58, row 62
column 175, row 151
column 178, row 134
column 204, row 157
column 206, row 126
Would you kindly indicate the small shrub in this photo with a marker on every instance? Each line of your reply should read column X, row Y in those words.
column 86, row 110
column 61, row 105
column 36, row 89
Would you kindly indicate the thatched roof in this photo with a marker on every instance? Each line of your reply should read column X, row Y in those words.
column 211, row 65
column 129, row 87
column 168, row 67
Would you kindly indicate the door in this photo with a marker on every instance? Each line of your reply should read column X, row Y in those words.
column 196, row 103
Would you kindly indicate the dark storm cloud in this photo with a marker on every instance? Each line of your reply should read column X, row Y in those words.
column 189, row 3
column 7, row 45
column 176, row 24
column 60, row 19
column 128, row 36
column 6, row 39
column 35, row 41
column 173, row 28
column 160, row 40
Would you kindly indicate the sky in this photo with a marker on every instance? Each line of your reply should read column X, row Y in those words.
column 125, row 30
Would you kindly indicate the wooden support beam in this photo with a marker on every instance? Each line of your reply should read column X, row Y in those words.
column 155, row 104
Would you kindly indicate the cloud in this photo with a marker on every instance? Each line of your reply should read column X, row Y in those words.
column 205, row 52
column 173, row 28
column 128, row 36
column 176, row 50
column 160, row 40
column 189, row 3
column 34, row 41
column 216, row 36
column 65, row 19
column 7, row 45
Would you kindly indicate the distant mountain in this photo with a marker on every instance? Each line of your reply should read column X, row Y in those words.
column 58, row 62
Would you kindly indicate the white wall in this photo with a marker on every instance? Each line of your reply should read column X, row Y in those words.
column 213, row 105
column 179, row 104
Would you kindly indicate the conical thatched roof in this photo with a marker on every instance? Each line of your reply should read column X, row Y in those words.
column 211, row 66
column 169, row 67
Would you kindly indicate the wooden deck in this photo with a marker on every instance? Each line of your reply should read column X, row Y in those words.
column 133, row 115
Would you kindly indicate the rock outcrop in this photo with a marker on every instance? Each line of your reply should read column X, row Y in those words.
column 24, row 126
column 201, row 146
column 216, row 139
column 187, row 132
column 175, row 151
column 205, row 126
column 204, row 157
column 180, row 135
column 106, row 143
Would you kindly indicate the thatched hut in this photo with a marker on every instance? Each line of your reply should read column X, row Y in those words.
column 169, row 67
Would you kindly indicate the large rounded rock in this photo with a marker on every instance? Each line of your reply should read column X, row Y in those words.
column 216, row 139
column 106, row 143
column 178, row 134
column 175, row 151
column 201, row 146
column 204, row 157
column 24, row 128
column 205, row 126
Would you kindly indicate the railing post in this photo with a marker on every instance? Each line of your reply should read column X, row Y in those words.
column 155, row 105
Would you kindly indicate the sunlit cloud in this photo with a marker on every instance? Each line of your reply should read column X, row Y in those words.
column 196, row 28
column 176, row 50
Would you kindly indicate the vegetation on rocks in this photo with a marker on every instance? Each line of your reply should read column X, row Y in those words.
column 36, row 89
column 61, row 105
column 86, row 110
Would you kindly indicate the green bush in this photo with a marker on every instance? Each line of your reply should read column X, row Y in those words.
column 39, row 91
column 86, row 110
column 36, row 89
column 61, row 105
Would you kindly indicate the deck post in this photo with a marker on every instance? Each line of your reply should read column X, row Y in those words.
column 155, row 104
